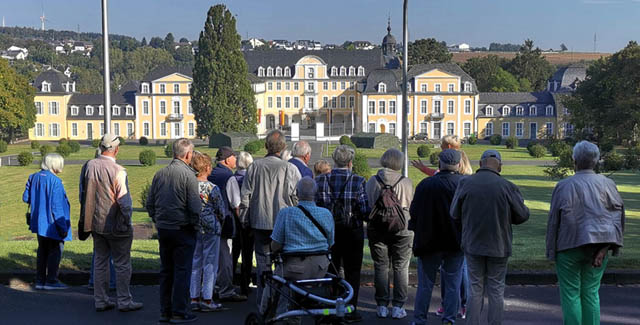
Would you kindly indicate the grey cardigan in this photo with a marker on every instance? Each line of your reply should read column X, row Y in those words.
column 404, row 191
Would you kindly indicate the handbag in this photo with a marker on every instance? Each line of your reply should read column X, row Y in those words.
column 28, row 215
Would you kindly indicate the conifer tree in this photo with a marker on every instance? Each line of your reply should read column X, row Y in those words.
column 221, row 95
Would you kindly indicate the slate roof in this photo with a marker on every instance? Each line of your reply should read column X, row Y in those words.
column 393, row 77
column 513, row 99
column 125, row 96
column 160, row 72
column 55, row 78
column 567, row 77
column 369, row 59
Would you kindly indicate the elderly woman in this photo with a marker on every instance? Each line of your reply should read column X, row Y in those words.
column 448, row 142
column 50, row 219
column 585, row 222
column 243, row 242
column 384, row 244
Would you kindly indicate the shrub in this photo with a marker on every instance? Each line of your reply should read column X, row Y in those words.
column 147, row 157
column 495, row 139
column 3, row 146
column 511, row 142
column 25, row 158
column 563, row 166
column 75, row 146
column 531, row 144
column 46, row 149
column 144, row 141
column 612, row 161
column 63, row 141
column 35, row 145
column 632, row 158
column 537, row 151
column 144, row 194
column 557, row 147
column 361, row 165
column 424, row 151
column 606, row 147
column 434, row 158
column 168, row 150
column 95, row 143
column 122, row 142
column 64, row 150
column 473, row 139
column 346, row 140
column 254, row 146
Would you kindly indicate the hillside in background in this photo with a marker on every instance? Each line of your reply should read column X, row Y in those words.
column 556, row 58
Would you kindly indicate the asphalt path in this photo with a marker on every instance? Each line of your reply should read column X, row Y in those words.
column 19, row 304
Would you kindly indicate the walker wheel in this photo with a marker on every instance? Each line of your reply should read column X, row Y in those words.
column 254, row 319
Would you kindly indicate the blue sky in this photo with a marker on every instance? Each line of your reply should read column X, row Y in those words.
column 477, row 22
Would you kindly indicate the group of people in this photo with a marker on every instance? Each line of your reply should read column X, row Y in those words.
column 455, row 222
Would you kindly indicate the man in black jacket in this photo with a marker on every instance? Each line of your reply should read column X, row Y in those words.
column 436, row 239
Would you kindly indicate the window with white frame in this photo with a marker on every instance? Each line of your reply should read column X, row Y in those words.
column 467, row 87
column 466, row 129
column 343, row 101
column 488, row 130
column 382, row 107
column 287, row 72
column 549, row 110
column 115, row 110
column 189, row 107
column 325, row 101
column 101, row 110
column 192, row 129
column 372, row 128
column 352, row 102
column 74, row 110
column 260, row 72
column 39, row 129
column 311, row 73
column 278, row 72
column 519, row 129
column 176, row 107
column 145, row 129
column 145, row 107
column 163, row 107
column 506, row 110
column 163, row 88
column 392, row 128
column 116, row 129
column 505, row 129
column 352, row 71
column 101, row 129
column 568, row 129
column 334, row 71
column 437, row 107
column 295, row 86
column 382, row 87
column 287, row 102
column 423, row 107
column 325, row 85
column 176, row 88
column 270, row 102
column 269, row 72
column 54, row 108
column 129, row 110
column 129, row 129
column 269, row 85
column 451, row 88
column 360, row 71
column 519, row 110
column 177, row 130
column 39, row 109
column 533, row 110
column 343, row 85
column 54, row 130
column 467, row 106
column 423, row 127
column 46, row 87
column 311, row 103
column 450, row 128
column 278, row 102
column 437, row 130
column 488, row 111
column 287, row 86
column 392, row 107
column 278, row 85
column 296, row 102
column 334, row 85
column 74, row 129
column 343, row 71
column 311, row 86
column 334, row 102
column 549, row 128
column 450, row 107
column 372, row 107
column 189, row 88
column 423, row 88
column 163, row 129
column 437, row 88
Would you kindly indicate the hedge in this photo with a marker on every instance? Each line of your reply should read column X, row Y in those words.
column 25, row 158
column 64, row 150
column 424, row 151
column 147, row 157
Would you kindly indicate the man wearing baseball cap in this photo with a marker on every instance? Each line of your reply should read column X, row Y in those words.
column 487, row 205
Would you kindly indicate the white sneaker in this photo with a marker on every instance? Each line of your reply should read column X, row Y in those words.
column 382, row 311
column 398, row 313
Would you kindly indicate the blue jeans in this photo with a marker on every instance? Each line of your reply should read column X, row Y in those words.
column 205, row 266
column 451, row 273
column 112, row 272
column 464, row 286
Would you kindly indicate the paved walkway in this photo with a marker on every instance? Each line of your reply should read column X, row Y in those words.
column 524, row 305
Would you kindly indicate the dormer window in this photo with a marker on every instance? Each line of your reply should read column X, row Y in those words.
column 74, row 110
column 129, row 110
column 278, row 72
column 116, row 110
column 145, row 88
column 506, row 111
column 488, row 111
column 287, row 72
column 352, row 71
column 260, row 72
column 382, row 87
column 269, row 72
column 467, row 87
column 46, row 87
column 101, row 110
column 343, row 71
column 360, row 71
column 88, row 110
column 334, row 71
column 311, row 73
column 549, row 110
column 519, row 110
column 533, row 110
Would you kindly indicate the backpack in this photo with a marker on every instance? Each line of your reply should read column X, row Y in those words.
column 387, row 215
column 341, row 217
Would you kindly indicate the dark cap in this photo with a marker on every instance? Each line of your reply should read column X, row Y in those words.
column 224, row 153
column 491, row 154
column 450, row 157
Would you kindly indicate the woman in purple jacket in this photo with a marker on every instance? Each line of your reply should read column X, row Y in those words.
column 49, row 219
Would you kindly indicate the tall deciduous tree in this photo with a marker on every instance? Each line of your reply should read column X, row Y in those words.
column 17, row 110
column 529, row 64
column 606, row 105
column 221, row 94
column 489, row 74
column 428, row 51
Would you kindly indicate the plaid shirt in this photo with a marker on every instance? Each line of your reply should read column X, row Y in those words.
column 355, row 197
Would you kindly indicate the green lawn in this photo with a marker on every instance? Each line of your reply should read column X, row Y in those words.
column 17, row 248
column 473, row 151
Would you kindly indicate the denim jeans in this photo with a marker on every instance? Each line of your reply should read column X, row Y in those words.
column 486, row 274
column 452, row 273
column 112, row 271
column 204, row 269
column 48, row 260
column 176, row 257
column 464, row 285
column 397, row 248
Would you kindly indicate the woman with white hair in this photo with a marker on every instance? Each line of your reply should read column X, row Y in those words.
column 586, row 221
column 49, row 218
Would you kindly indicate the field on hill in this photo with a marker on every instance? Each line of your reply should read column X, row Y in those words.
column 563, row 58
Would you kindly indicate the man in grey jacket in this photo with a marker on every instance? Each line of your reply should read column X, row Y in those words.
column 268, row 187
column 174, row 205
column 487, row 205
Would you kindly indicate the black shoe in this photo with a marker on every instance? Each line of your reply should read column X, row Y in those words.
column 180, row 319
column 164, row 318
column 354, row 317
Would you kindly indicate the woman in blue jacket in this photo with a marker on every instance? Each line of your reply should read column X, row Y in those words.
column 50, row 219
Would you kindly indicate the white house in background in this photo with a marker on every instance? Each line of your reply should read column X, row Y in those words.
column 15, row 53
column 307, row 45
column 256, row 42
column 59, row 48
column 462, row 47
column 280, row 44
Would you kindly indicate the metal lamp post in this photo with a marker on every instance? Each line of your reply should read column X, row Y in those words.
column 405, row 103
column 105, row 61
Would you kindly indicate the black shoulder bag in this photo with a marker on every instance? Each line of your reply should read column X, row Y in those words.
column 314, row 221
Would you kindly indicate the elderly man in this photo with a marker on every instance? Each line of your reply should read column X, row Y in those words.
column 107, row 215
column 436, row 238
column 174, row 205
column 487, row 205
column 586, row 220
column 306, row 242
column 343, row 193
column 268, row 186
column 301, row 153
